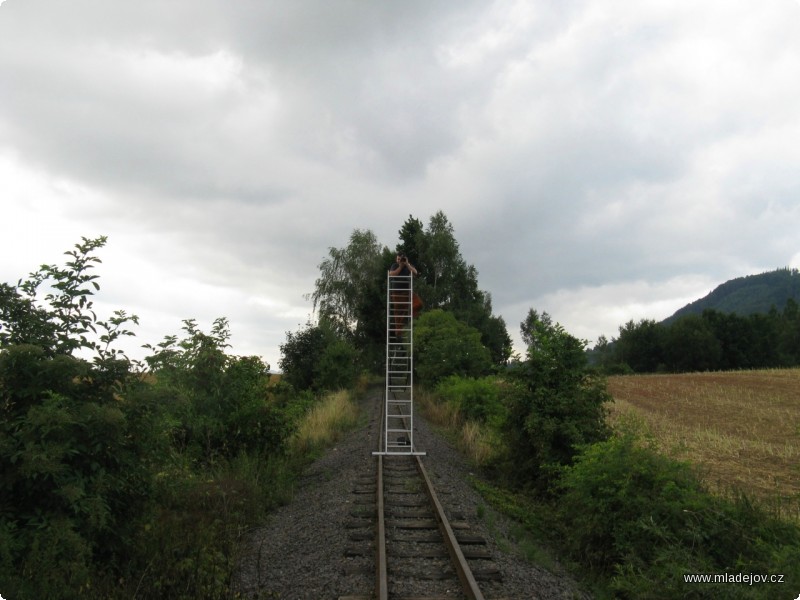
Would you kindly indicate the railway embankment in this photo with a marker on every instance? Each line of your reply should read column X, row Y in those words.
column 304, row 550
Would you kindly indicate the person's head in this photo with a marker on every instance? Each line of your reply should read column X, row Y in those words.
column 401, row 258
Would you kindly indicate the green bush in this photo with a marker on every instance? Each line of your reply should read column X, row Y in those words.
column 119, row 484
column 220, row 404
column 318, row 358
column 52, row 562
column 337, row 368
column 561, row 407
column 644, row 520
column 187, row 547
column 76, row 445
column 444, row 346
column 479, row 400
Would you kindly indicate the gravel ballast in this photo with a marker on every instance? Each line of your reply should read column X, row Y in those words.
column 299, row 554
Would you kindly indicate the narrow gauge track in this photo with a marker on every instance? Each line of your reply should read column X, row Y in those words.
column 419, row 553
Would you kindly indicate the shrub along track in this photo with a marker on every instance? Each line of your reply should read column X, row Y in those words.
column 321, row 545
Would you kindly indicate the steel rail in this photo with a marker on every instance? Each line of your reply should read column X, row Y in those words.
column 381, row 575
column 468, row 583
column 381, row 571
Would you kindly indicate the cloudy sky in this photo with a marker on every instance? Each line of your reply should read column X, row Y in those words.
column 601, row 160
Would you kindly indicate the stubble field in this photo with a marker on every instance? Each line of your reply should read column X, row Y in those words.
column 742, row 429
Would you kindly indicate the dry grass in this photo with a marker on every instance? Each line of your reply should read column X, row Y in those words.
column 325, row 423
column 478, row 443
column 474, row 439
column 742, row 428
column 437, row 412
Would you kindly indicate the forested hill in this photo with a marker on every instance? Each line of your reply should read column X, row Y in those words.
column 747, row 295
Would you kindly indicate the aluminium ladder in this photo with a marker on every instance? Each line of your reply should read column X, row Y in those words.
column 398, row 413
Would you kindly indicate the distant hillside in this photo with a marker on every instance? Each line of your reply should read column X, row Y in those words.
column 748, row 295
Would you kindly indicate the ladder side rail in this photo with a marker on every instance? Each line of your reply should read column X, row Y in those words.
column 399, row 376
column 387, row 379
column 411, row 361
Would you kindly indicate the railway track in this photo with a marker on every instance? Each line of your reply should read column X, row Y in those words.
column 399, row 525
column 322, row 544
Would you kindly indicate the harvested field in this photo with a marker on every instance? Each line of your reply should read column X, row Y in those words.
column 741, row 428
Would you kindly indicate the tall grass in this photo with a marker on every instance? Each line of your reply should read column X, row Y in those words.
column 476, row 440
column 325, row 423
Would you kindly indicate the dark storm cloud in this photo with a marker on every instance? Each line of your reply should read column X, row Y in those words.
column 594, row 157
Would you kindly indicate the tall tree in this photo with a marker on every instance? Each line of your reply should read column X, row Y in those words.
column 346, row 277
column 448, row 282
column 350, row 292
column 690, row 345
column 412, row 242
column 640, row 345
column 532, row 328
column 443, row 261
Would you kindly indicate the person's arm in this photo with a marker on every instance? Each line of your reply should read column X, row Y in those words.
column 412, row 268
column 396, row 270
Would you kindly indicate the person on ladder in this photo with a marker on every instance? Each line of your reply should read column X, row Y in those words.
column 399, row 293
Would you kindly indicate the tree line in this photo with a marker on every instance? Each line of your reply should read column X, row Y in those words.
column 349, row 300
column 710, row 341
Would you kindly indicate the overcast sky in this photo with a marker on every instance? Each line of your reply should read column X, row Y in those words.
column 601, row 160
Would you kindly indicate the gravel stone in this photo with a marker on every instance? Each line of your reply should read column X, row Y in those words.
column 300, row 552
